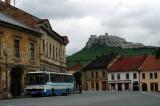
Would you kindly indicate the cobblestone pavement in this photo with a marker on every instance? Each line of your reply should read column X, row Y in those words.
column 90, row 99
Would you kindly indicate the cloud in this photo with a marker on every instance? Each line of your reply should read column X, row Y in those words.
column 134, row 20
column 56, row 9
column 77, row 31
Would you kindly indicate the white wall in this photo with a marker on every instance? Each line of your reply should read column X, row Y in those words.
column 123, row 77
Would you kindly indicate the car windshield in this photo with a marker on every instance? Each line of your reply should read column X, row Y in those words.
column 36, row 78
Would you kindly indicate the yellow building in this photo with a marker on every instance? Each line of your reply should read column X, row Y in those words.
column 150, row 74
column 53, row 46
column 95, row 74
column 19, row 46
column 49, row 49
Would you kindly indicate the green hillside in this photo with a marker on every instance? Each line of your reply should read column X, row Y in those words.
column 87, row 54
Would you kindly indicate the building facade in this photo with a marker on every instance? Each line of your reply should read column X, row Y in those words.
column 53, row 46
column 29, row 41
column 124, row 73
column 19, row 45
column 95, row 80
column 120, row 81
column 150, row 74
column 95, row 73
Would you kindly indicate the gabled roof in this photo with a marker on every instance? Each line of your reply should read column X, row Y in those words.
column 125, row 64
column 100, row 62
column 8, row 20
column 17, row 13
column 30, row 20
column 152, row 63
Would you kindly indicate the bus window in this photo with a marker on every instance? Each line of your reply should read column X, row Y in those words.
column 53, row 77
column 35, row 78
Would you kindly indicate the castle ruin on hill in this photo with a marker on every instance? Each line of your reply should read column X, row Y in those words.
column 111, row 41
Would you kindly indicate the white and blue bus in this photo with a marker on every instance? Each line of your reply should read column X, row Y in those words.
column 49, row 83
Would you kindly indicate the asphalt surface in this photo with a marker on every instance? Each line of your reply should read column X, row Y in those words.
column 90, row 99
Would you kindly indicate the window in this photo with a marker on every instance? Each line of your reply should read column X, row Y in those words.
column 53, row 53
column 47, row 49
column 63, row 55
column 127, row 76
column 92, row 74
column 112, row 76
column 96, row 74
column 155, row 75
column 151, row 86
column 151, row 75
column 118, row 76
column 16, row 48
column 50, row 50
column 92, row 84
column 134, row 75
column 56, row 54
column 143, row 76
column 31, row 51
column 43, row 46
column 104, row 74
column 59, row 55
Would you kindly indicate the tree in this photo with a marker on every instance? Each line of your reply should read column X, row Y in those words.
column 78, row 81
column 157, row 53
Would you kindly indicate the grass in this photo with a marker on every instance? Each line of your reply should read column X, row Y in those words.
column 87, row 54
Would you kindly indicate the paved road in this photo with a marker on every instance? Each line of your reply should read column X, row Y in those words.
column 90, row 99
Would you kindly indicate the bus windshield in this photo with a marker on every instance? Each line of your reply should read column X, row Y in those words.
column 36, row 78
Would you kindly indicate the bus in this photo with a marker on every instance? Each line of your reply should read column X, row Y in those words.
column 49, row 83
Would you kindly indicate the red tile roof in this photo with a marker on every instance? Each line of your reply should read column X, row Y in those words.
column 75, row 67
column 124, row 64
column 151, row 64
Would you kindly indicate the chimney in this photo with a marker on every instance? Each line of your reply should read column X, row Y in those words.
column 8, row 2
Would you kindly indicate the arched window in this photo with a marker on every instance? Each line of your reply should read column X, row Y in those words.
column 144, row 87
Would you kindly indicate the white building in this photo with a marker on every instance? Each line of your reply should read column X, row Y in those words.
column 124, row 73
column 123, row 80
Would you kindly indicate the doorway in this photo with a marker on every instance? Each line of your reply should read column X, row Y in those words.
column 144, row 87
column 135, row 86
column 104, row 86
column 97, row 86
column 126, row 86
column 119, row 86
column 16, row 80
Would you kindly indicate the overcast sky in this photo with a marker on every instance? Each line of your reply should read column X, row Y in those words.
column 135, row 20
